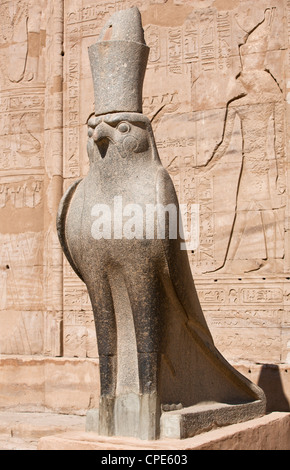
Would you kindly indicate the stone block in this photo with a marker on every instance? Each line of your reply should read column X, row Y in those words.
column 270, row 432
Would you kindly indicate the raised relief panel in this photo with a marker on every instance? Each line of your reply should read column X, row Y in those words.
column 256, row 164
column 21, row 332
column 22, row 192
column 21, row 317
column 21, row 271
column 79, row 335
column 21, row 130
column 245, row 311
column 22, row 40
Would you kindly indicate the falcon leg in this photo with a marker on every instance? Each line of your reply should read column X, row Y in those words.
column 103, row 308
column 146, row 313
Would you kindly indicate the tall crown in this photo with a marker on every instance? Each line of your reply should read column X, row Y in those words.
column 118, row 62
column 258, row 39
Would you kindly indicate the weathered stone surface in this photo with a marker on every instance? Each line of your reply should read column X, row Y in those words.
column 190, row 85
column 38, row 384
column 270, row 432
column 121, row 43
column 22, row 431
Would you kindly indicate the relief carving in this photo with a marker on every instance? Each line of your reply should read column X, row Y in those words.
column 21, row 194
column 22, row 40
column 79, row 334
column 21, row 271
column 21, row 130
column 259, row 106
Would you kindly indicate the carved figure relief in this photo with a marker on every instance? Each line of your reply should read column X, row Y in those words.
column 20, row 40
column 21, row 319
column 21, row 138
column 258, row 104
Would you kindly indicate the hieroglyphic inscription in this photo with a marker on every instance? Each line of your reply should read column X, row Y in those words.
column 99, row 11
column 207, row 43
column 244, row 312
column 262, row 295
column 215, row 296
column 287, row 221
column 78, row 322
column 205, row 255
column 242, row 295
column 21, row 128
column 72, row 139
column 244, row 344
column 21, row 271
column 21, row 194
column 192, row 43
column 224, row 40
column 79, row 334
column 246, row 318
column 175, row 51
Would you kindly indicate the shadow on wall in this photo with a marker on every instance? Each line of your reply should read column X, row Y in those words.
column 270, row 381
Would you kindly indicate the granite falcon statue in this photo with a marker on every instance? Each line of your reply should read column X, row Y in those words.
column 156, row 352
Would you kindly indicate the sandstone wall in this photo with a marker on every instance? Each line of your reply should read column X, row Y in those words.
column 217, row 90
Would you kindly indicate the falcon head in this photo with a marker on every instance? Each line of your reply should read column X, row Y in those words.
column 119, row 135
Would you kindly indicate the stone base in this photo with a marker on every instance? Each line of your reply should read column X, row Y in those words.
column 186, row 422
column 22, row 431
column 270, row 432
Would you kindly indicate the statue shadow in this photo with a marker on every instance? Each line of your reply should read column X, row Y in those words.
column 271, row 383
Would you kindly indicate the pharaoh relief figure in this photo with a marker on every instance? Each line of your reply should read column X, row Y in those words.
column 21, row 41
column 258, row 103
column 156, row 353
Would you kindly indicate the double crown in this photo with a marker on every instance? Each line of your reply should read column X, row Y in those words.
column 118, row 63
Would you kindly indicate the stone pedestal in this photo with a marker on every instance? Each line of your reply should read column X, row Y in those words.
column 270, row 432
column 180, row 423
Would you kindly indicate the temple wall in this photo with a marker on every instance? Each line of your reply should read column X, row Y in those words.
column 217, row 90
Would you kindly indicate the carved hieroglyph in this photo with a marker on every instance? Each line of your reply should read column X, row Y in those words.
column 30, row 178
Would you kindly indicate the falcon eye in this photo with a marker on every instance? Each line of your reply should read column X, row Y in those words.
column 124, row 127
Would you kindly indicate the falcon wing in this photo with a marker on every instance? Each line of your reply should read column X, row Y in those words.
column 183, row 285
column 61, row 220
column 177, row 261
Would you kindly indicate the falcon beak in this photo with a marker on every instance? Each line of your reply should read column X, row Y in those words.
column 103, row 145
column 102, row 136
